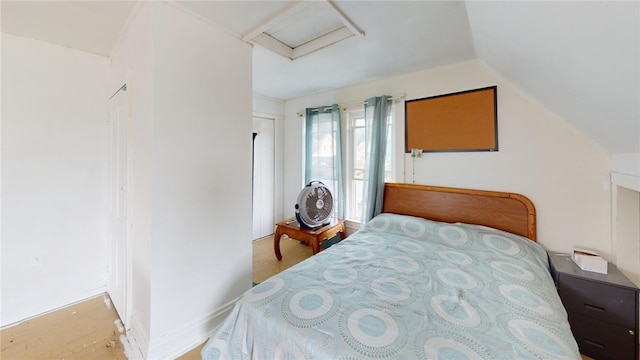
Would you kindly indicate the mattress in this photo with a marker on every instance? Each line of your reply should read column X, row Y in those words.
column 405, row 287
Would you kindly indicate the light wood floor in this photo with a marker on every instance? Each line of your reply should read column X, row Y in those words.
column 265, row 264
column 88, row 330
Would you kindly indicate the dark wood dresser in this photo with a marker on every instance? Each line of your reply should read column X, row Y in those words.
column 603, row 309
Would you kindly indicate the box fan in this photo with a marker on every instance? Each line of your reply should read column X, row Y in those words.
column 314, row 206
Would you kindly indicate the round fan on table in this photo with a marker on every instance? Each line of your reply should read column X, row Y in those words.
column 314, row 207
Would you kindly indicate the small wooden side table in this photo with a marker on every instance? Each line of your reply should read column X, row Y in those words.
column 291, row 228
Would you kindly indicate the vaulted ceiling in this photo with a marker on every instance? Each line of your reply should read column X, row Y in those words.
column 581, row 59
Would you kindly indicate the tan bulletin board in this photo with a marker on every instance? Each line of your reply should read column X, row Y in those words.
column 462, row 121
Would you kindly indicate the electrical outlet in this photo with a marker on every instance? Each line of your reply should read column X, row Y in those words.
column 35, row 261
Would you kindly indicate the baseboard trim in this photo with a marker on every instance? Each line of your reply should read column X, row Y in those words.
column 136, row 343
column 15, row 319
column 178, row 342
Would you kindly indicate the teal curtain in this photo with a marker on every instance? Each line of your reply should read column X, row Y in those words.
column 376, row 111
column 323, row 152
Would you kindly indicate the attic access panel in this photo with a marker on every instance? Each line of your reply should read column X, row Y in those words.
column 462, row 121
column 302, row 28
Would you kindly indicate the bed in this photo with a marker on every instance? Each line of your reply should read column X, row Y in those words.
column 442, row 273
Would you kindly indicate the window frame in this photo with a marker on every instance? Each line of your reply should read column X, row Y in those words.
column 351, row 114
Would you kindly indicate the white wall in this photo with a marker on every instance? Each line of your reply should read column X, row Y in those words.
column 201, row 255
column 53, row 122
column 563, row 172
column 191, row 175
column 263, row 105
column 628, row 164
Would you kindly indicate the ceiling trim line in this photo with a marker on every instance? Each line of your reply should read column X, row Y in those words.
column 269, row 22
column 125, row 28
column 266, row 35
column 343, row 18
column 274, row 45
column 319, row 43
column 175, row 4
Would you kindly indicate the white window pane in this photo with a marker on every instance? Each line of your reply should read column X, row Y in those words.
column 358, row 187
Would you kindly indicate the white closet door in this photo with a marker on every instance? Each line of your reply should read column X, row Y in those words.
column 263, row 177
column 117, row 202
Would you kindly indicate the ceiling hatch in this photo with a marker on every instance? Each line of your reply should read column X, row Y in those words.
column 302, row 28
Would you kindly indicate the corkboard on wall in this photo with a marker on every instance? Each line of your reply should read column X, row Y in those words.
column 462, row 121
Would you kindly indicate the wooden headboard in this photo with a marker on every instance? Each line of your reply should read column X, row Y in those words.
column 505, row 211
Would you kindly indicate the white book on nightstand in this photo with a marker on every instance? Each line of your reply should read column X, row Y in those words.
column 588, row 260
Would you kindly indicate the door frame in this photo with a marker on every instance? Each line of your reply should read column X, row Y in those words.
column 125, row 299
column 273, row 189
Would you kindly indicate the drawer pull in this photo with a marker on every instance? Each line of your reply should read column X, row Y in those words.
column 631, row 332
column 594, row 308
column 593, row 343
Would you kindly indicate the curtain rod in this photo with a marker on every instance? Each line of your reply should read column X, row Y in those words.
column 344, row 106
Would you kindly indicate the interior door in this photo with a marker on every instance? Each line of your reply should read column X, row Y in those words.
column 117, row 201
column 263, row 177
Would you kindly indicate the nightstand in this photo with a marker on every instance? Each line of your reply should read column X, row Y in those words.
column 291, row 228
column 603, row 309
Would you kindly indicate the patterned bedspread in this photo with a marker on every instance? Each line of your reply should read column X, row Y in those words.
column 405, row 288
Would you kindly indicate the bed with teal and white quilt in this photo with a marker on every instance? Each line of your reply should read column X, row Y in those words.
column 405, row 288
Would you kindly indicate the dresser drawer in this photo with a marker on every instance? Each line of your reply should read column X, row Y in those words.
column 603, row 340
column 599, row 301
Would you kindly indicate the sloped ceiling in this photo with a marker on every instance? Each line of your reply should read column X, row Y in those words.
column 581, row 59
column 91, row 26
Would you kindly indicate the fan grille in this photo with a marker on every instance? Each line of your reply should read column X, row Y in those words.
column 315, row 205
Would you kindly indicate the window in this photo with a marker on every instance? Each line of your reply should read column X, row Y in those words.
column 323, row 150
column 355, row 160
column 324, row 153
